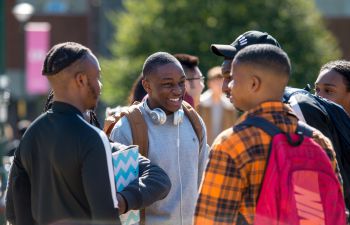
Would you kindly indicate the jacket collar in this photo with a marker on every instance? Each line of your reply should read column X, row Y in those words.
column 63, row 107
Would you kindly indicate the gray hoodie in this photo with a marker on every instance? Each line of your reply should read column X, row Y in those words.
column 184, row 164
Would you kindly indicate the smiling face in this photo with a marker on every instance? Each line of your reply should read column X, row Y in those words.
column 166, row 87
column 331, row 85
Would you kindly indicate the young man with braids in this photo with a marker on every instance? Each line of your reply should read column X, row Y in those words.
column 62, row 170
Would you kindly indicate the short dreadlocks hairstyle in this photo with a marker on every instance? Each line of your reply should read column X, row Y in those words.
column 63, row 55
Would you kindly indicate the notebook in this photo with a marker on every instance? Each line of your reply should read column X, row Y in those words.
column 126, row 169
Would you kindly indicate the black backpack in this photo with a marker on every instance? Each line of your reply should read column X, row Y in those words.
column 332, row 120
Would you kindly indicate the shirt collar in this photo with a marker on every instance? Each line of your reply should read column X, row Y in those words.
column 267, row 108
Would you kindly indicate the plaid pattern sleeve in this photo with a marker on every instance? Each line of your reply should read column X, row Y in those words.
column 233, row 177
column 220, row 193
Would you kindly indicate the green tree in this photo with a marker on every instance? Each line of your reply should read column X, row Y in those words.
column 183, row 26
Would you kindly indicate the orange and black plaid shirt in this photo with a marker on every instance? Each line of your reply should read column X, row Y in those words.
column 234, row 173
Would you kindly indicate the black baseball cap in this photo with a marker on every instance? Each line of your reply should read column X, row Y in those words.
column 248, row 38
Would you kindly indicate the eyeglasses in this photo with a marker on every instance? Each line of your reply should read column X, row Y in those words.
column 196, row 78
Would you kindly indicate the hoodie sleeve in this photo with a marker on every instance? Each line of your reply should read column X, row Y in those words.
column 121, row 132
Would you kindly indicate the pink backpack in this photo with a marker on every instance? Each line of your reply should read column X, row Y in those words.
column 300, row 186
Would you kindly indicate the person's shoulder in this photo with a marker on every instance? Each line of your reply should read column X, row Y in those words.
column 37, row 124
column 233, row 144
column 306, row 101
column 226, row 141
column 123, row 123
column 224, row 136
column 322, row 140
column 121, row 128
column 82, row 129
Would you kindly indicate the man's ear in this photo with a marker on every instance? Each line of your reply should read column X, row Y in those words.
column 146, row 86
column 255, row 83
column 81, row 79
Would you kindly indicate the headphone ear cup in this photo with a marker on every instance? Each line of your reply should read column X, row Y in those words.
column 178, row 116
column 158, row 116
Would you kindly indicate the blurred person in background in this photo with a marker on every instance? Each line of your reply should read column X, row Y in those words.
column 333, row 83
column 216, row 110
column 22, row 126
column 194, row 79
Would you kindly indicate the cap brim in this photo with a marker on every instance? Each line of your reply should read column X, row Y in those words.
column 226, row 51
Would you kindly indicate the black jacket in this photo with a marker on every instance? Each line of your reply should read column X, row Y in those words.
column 61, row 172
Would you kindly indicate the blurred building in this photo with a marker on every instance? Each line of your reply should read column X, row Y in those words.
column 337, row 17
column 83, row 21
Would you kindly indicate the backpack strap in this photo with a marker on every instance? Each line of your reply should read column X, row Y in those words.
column 138, row 127
column 266, row 126
column 272, row 130
column 263, row 124
column 140, row 137
column 194, row 119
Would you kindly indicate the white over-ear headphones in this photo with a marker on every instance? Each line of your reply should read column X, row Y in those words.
column 158, row 116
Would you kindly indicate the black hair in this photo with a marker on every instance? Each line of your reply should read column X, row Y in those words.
column 265, row 55
column 155, row 60
column 63, row 55
column 187, row 61
column 342, row 67
column 49, row 101
column 93, row 119
column 92, row 115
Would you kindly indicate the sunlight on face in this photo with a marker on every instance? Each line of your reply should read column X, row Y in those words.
column 330, row 85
